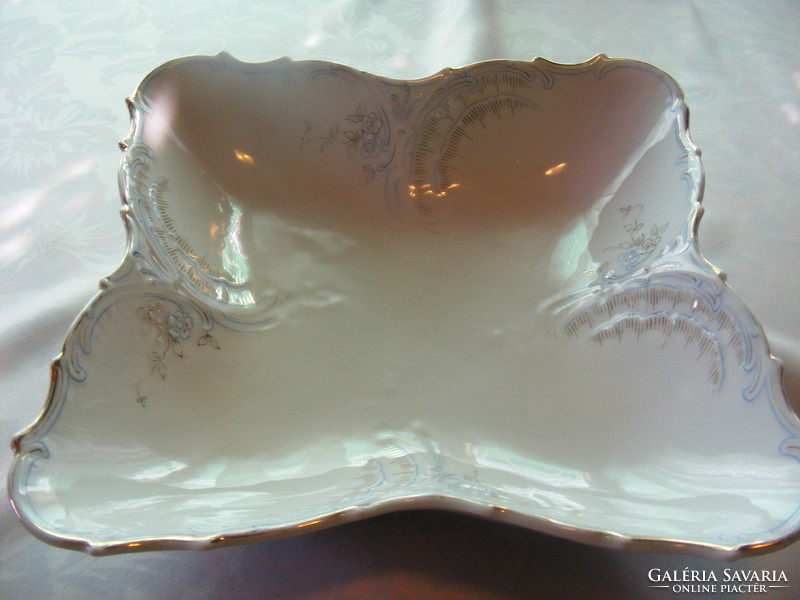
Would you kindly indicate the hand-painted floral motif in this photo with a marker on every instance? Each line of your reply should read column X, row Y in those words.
column 367, row 137
column 179, row 325
column 168, row 324
column 634, row 250
column 641, row 244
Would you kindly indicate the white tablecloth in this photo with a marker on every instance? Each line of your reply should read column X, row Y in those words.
column 65, row 69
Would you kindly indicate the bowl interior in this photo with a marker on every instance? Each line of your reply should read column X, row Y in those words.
column 299, row 176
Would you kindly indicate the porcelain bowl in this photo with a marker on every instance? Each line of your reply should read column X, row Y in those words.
column 345, row 295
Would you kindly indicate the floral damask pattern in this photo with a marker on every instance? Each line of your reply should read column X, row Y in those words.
column 60, row 231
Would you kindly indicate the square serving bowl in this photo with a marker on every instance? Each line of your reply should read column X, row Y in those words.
column 345, row 295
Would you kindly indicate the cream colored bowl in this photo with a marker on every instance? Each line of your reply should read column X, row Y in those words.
column 345, row 295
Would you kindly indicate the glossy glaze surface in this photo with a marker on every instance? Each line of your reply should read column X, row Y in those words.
column 346, row 295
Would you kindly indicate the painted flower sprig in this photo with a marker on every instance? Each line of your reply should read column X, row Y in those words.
column 169, row 327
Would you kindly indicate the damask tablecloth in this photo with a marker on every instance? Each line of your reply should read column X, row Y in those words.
column 66, row 67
